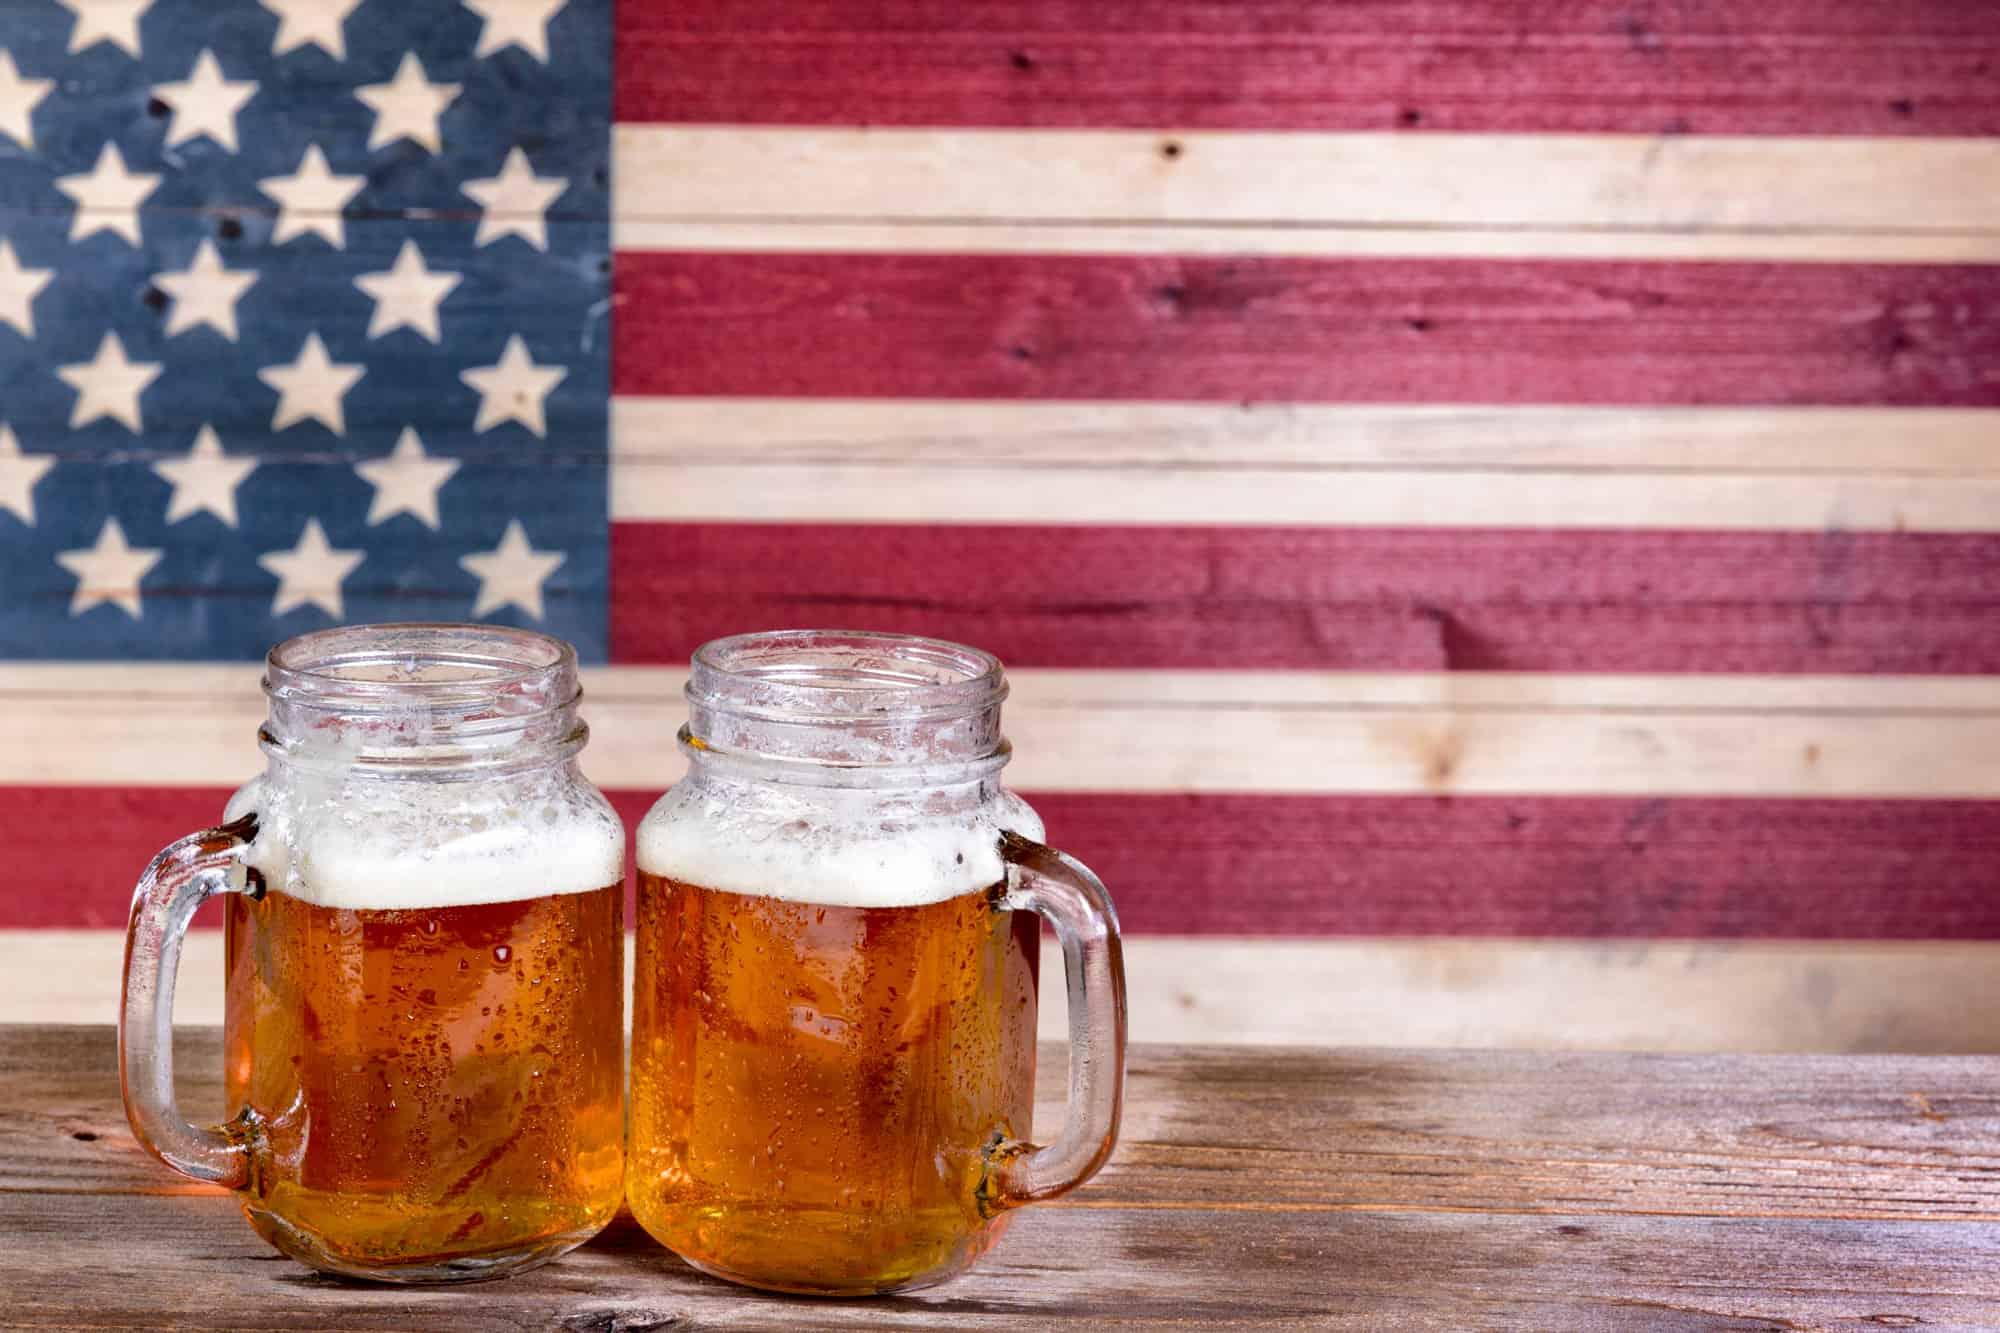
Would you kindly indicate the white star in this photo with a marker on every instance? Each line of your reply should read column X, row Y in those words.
column 311, row 23
column 407, row 295
column 205, row 292
column 108, row 385
column 513, row 202
column 109, row 571
column 311, row 386
column 206, row 479
column 407, row 481
column 114, row 21
column 409, row 104
column 205, row 103
column 514, row 389
column 310, row 199
column 511, row 573
column 18, row 99
column 310, row 572
column 107, row 197
column 18, row 474
column 18, row 289
column 510, row 22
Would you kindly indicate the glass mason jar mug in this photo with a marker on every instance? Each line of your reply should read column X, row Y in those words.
column 425, row 1001
column 833, row 1044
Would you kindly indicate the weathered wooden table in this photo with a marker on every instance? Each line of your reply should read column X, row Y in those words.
column 1254, row 1187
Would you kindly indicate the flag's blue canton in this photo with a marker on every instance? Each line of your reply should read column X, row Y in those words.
column 220, row 592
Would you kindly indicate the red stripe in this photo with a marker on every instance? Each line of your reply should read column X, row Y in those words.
column 1584, row 867
column 1378, row 330
column 1331, row 865
column 1330, row 598
column 1702, row 66
column 107, row 835
column 95, row 841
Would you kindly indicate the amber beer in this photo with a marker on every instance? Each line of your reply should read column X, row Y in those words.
column 430, row 1084
column 815, row 1088
column 833, row 1029
column 423, row 1031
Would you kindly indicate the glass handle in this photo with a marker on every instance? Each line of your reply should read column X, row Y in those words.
column 1073, row 901
column 179, row 880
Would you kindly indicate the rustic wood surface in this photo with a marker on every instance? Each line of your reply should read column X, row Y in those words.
column 1326, row 1188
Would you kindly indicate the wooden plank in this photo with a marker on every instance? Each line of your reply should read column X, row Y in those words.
column 971, row 492
column 1170, row 176
column 1525, row 195
column 1412, row 465
column 1575, row 995
column 1323, row 1188
column 1325, row 865
column 1529, row 867
column 686, row 431
column 1466, row 600
column 1355, row 330
column 1543, row 195
column 1790, row 67
column 1157, row 732
column 1117, row 238
column 1940, row 997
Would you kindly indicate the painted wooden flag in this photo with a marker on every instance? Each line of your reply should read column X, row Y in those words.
column 1492, row 509
column 308, row 320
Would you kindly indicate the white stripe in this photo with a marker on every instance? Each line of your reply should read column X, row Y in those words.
column 830, row 460
column 1643, row 995
column 938, row 431
column 1306, row 242
column 1947, row 189
column 866, row 494
column 1187, row 731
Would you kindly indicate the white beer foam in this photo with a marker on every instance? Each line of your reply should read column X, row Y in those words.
column 833, row 848
column 371, row 845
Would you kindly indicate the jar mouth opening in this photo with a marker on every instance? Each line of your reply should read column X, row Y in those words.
column 843, row 676
column 432, row 667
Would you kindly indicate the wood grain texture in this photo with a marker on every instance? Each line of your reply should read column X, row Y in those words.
column 1330, row 1188
column 1793, row 66
column 1074, row 238
column 1592, row 867
column 685, row 430
column 1260, row 464
column 1381, row 330
column 896, row 460
column 1372, row 866
column 1330, row 598
column 973, row 491
column 1691, row 996
column 1584, row 182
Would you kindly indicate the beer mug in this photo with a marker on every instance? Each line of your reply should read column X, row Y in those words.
column 425, row 1006
column 833, row 1039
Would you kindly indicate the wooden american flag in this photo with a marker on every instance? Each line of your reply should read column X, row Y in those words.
column 1492, row 509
